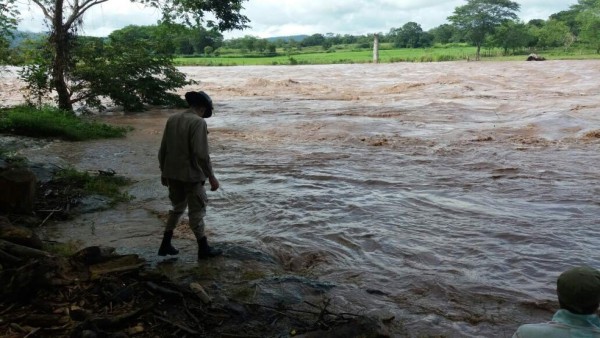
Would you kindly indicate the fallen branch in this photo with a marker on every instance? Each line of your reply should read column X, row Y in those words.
column 179, row 326
column 163, row 290
column 48, row 217
column 230, row 335
column 22, row 251
column 33, row 332
column 119, row 321
column 190, row 314
column 9, row 259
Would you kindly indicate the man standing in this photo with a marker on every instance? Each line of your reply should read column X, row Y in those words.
column 185, row 166
column 578, row 291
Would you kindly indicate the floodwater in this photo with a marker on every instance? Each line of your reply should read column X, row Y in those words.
column 451, row 195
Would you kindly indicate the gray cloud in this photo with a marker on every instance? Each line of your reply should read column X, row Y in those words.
column 291, row 17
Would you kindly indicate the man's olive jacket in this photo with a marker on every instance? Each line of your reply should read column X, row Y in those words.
column 184, row 153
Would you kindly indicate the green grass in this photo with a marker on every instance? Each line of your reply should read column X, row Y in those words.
column 349, row 54
column 67, row 249
column 52, row 122
column 15, row 161
column 109, row 186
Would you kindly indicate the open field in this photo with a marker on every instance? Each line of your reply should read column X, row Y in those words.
column 348, row 56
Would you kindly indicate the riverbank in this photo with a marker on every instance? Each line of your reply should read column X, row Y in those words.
column 54, row 289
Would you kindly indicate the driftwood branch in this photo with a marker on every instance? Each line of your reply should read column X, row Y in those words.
column 179, row 326
column 9, row 259
column 48, row 217
column 121, row 320
column 163, row 290
column 22, row 251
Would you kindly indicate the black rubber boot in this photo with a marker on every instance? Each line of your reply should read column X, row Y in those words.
column 165, row 247
column 205, row 251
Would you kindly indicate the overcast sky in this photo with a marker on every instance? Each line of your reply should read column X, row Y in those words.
column 271, row 18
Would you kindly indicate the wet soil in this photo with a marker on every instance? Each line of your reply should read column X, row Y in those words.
column 96, row 292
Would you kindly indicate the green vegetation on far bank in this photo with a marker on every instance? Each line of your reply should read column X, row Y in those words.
column 386, row 55
column 52, row 122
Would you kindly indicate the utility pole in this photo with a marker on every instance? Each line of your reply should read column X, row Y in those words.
column 375, row 48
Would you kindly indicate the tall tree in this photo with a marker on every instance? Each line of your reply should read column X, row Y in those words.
column 411, row 35
column 511, row 35
column 554, row 34
column 569, row 18
column 478, row 18
column 8, row 23
column 443, row 34
column 64, row 17
column 589, row 19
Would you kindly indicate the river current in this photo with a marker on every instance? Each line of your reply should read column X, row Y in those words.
column 451, row 195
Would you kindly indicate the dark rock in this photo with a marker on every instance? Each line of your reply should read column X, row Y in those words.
column 290, row 289
column 94, row 255
column 535, row 57
column 362, row 327
column 17, row 190
column 88, row 334
column 91, row 203
column 44, row 171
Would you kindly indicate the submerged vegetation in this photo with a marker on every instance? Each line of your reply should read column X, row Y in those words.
column 108, row 185
column 52, row 122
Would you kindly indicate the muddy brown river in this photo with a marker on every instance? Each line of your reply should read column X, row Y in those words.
column 450, row 195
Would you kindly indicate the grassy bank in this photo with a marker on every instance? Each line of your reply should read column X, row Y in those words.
column 52, row 122
column 345, row 55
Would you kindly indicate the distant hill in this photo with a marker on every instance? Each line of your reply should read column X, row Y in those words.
column 18, row 37
column 287, row 38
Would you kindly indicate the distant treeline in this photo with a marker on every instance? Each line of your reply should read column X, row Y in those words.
column 563, row 29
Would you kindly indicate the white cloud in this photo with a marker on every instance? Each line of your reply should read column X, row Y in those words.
column 290, row 17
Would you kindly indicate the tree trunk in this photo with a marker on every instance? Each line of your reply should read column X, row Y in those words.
column 478, row 56
column 60, row 44
column 21, row 251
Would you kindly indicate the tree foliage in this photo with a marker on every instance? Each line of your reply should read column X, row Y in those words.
column 169, row 38
column 554, row 34
column 511, row 35
column 569, row 18
column 589, row 20
column 444, row 34
column 410, row 35
column 128, row 71
column 478, row 18
column 64, row 17
column 8, row 23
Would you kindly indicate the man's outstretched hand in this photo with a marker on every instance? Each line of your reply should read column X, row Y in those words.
column 214, row 183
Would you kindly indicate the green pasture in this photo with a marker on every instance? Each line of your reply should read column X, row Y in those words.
column 386, row 55
column 333, row 57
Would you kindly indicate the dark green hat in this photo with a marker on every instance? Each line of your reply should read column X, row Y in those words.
column 578, row 289
column 200, row 99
